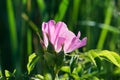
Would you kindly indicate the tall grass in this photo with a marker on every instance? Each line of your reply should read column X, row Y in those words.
column 13, row 36
column 108, row 17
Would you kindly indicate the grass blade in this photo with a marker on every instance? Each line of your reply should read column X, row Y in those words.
column 13, row 38
column 29, row 33
column 12, row 26
column 74, row 16
column 62, row 10
column 107, row 22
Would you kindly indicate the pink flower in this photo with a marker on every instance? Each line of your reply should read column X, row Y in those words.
column 61, row 37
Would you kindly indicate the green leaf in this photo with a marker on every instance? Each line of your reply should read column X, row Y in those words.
column 105, row 54
column 96, row 57
column 33, row 59
column 77, row 69
column 116, row 56
column 48, row 76
column 92, row 55
column 65, row 69
column 75, row 76
column 8, row 74
column 110, row 56
column 39, row 77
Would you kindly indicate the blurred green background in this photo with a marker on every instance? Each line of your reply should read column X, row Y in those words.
column 20, row 22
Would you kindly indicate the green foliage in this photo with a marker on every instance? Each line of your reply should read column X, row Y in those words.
column 49, row 58
column 7, row 73
column 66, row 69
column 110, row 56
column 107, row 55
column 39, row 77
column 33, row 59
column 98, row 59
column 90, row 65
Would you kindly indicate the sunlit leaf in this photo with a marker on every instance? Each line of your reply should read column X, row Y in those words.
column 95, row 58
column 39, row 76
column 110, row 56
column 105, row 54
column 65, row 69
column 92, row 55
column 48, row 76
column 33, row 59
column 116, row 56
column 7, row 73
column 75, row 76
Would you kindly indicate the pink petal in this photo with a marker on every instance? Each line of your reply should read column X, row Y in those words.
column 45, row 32
column 45, row 27
column 83, row 42
column 69, row 36
column 51, row 29
column 59, row 36
column 60, row 29
column 60, row 42
column 79, row 34
column 76, row 43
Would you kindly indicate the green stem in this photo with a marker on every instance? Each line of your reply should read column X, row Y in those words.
column 29, row 33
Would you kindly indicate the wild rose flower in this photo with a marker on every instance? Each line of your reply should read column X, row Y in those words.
column 61, row 37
